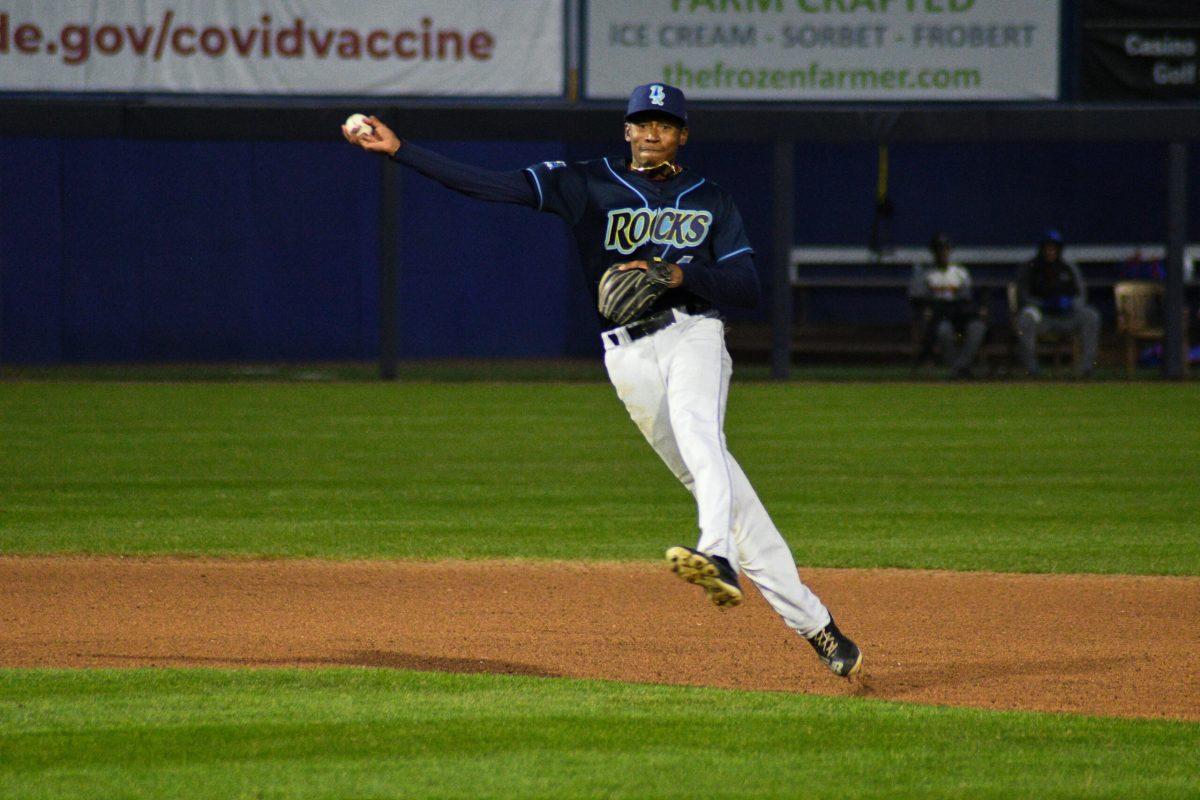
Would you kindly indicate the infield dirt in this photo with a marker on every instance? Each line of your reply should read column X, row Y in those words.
column 1110, row 645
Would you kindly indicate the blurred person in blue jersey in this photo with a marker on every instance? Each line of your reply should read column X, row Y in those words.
column 1052, row 299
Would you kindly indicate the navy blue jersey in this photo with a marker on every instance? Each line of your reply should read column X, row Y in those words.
column 618, row 215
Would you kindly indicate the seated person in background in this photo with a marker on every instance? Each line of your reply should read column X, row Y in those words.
column 1053, row 299
column 942, row 299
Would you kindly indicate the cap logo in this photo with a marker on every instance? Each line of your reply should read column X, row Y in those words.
column 657, row 95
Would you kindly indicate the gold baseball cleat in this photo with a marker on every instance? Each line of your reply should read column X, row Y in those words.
column 711, row 573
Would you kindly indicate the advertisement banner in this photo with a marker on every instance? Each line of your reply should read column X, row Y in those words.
column 317, row 47
column 820, row 50
column 1141, row 63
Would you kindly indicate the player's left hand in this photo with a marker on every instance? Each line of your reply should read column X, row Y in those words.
column 676, row 270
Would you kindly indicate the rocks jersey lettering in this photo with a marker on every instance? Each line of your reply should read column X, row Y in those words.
column 630, row 228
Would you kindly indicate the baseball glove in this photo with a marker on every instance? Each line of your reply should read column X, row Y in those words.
column 625, row 296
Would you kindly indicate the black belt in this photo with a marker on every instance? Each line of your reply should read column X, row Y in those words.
column 656, row 322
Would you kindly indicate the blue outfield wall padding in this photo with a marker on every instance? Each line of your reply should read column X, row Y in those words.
column 189, row 251
column 150, row 250
column 1009, row 193
column 745, row 171
column 481, row 279
column 109, row 206
column 315, row 250
column 986, row 193
column 835, row 192
column 31, row 250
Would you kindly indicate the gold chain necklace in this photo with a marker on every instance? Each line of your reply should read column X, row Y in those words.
column 666, row 169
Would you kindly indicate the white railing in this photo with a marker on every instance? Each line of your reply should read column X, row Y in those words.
column 981, row 255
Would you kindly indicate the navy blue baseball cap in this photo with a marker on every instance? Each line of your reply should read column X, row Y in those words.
column 1052, row 236
column 660, row 97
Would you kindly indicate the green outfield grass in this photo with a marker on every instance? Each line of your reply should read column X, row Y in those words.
column 1011, row 477
column 1014, row 477
column 384, row 734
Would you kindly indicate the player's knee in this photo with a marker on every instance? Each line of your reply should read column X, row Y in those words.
column 679, row 469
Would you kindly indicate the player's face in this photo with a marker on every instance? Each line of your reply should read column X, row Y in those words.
column 1050, row 251
column 654, row 140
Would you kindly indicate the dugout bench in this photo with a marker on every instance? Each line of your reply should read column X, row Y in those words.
column 852, row 304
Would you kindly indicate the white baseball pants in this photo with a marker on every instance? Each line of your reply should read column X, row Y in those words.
column 675, row 383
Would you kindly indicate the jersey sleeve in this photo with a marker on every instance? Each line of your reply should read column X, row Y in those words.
column 729, row 234
column 482, row 184
column 560, row 188
column 731, row 278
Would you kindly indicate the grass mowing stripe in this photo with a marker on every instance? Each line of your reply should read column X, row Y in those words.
column 380, row 733
column 1008, row 477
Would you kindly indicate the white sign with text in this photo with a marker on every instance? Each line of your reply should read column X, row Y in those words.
column 817, row 50
column 408, row 47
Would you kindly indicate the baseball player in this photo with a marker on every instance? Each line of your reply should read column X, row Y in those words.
column 661, row 247
column 1052, row 297
column 942, row 295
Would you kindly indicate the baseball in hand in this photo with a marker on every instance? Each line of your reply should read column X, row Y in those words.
column 357, row 125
